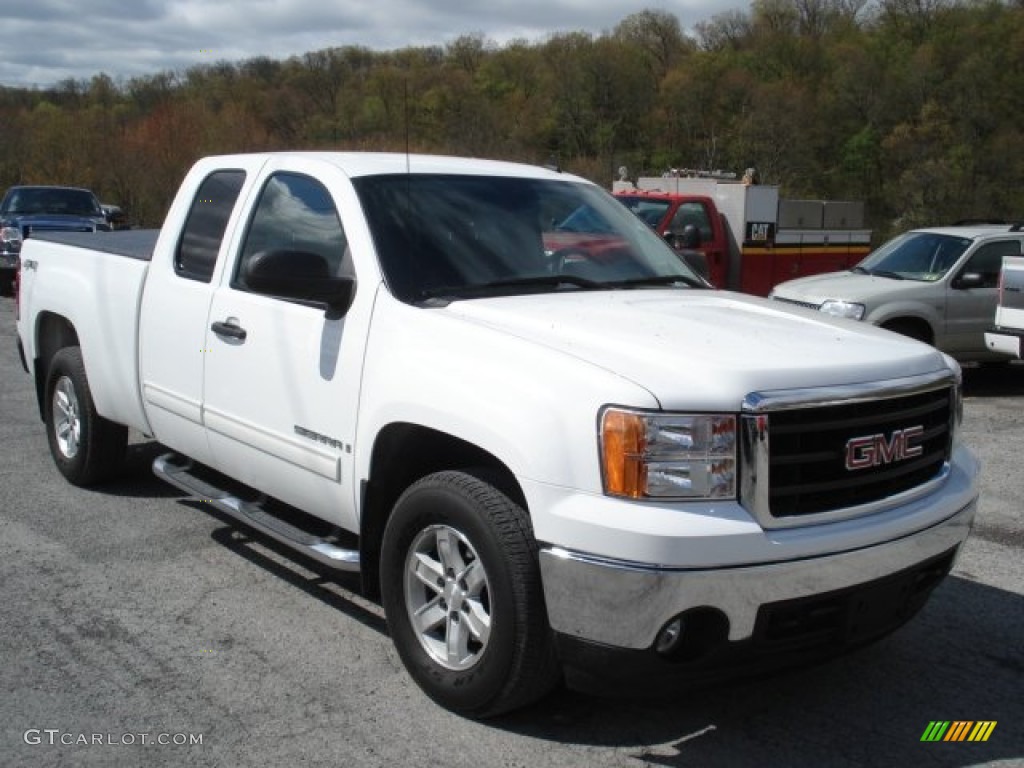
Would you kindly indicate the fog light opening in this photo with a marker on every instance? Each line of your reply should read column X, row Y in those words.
column 692, row 635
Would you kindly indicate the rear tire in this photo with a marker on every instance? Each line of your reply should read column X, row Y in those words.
column 461, row 589
column 85, row 447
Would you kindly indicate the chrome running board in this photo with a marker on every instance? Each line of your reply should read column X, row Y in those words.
column 179, row 472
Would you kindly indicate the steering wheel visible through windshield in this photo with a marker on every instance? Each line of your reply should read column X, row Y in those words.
column 923, row 256
column 444, row 237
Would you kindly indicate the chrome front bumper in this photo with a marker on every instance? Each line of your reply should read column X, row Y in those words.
column 625, row 605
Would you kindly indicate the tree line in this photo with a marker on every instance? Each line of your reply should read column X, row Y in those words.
column 913, row 106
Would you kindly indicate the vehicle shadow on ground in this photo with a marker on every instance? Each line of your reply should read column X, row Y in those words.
column 339, row 590
column 135, row 479
column 994, row 380
column 958, row 660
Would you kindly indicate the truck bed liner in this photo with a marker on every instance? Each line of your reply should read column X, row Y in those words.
column 133, row 243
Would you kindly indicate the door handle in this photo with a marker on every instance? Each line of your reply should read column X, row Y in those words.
column 228, row 329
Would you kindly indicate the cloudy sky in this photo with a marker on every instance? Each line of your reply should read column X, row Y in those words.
column 45, row 41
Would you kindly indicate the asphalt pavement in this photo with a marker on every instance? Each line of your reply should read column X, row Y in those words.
column 140, row 629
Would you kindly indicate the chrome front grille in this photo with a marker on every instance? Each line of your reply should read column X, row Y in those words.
column 804, row 304
column 818, row 455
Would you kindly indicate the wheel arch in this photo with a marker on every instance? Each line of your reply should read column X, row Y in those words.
column 402, row 454
column 914, row 326
column 53, row 333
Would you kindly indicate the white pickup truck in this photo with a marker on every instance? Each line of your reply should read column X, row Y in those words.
column 1005, row 336
column 552, row 453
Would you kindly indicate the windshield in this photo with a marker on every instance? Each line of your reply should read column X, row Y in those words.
column 447, row 237
column 924, row 256
column 42, row 200
column 650, row 211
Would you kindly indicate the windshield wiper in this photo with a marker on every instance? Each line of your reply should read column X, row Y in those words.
column 483, row 289
column 878, row 273
column 658, row 280
column 550, row 281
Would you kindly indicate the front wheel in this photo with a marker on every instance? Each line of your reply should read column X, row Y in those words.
column 85, row 447
column 461, row 589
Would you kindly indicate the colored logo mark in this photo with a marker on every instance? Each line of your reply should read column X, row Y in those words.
column 958, row 730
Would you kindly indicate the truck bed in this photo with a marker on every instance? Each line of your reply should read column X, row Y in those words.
column 133, row 243
column 94, row 281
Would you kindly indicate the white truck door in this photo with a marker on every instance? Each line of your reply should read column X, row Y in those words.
column 970, row 308
column 176, row 305
column 282, row 379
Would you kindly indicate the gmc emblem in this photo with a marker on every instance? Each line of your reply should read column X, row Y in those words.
column 875, row 450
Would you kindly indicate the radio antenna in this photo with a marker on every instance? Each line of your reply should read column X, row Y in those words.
column 405, row 117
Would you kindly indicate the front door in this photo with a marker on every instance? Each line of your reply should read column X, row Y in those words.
column 282, row 380
column 971, row 308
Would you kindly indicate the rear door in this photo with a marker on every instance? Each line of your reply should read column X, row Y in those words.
column 176, row 306
column 282, row 379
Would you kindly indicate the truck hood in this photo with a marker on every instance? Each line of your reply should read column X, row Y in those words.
column 847, row 286
column 53, row 222
column 699, row 349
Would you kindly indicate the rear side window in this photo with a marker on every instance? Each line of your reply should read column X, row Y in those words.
column 205, row 225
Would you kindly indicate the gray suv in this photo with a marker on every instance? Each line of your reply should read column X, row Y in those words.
column 939, row 285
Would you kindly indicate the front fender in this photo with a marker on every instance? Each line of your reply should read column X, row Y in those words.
column 535, row 409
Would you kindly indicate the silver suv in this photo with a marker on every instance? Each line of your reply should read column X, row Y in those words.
column 938, row 285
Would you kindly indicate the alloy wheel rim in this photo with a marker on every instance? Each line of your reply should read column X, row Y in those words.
column 448, row 597
column 67, row 420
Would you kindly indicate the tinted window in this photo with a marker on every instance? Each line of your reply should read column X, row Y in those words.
column 296, row 213
column 925, row 256
column 56, row 200
column 652, row 211
column 205, row 225
column 987, row 261
column 465, row 236
column 692, row 214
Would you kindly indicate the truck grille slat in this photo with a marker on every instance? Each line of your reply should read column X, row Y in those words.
column 804, row 462
column 862, row 420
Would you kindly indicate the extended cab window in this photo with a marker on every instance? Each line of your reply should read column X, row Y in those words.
column 295, row 213
column 205, row 225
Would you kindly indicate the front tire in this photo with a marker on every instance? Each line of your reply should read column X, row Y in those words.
column 461, row 589
column 85, row 447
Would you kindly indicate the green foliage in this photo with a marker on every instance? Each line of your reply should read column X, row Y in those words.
column 910, row 105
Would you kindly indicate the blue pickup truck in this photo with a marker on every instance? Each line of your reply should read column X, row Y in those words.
column 25, row 210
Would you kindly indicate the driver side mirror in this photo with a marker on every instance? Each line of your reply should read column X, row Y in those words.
column 300, row 275
column 687, row 239
column 969, row 280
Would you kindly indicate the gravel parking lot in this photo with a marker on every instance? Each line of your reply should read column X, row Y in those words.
column 137, row 628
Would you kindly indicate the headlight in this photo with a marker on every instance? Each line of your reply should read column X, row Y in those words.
column 668, row 455
column 10, row 235
column 839, row 308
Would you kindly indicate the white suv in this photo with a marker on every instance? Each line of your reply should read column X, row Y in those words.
column 938, row 285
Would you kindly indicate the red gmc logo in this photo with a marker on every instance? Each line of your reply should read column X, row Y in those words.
column 875, row 450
